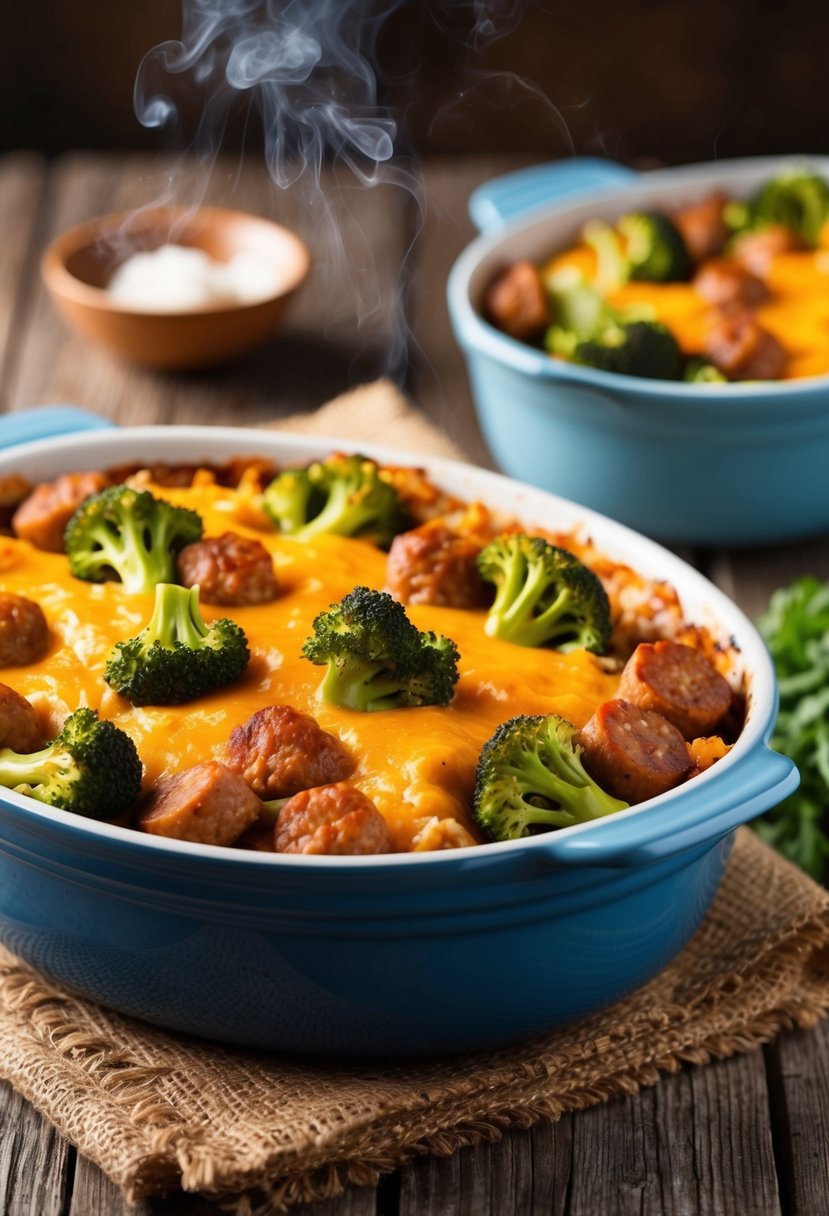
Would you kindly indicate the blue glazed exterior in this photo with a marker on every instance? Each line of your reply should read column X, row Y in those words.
column 735, row 464
column 410, row 954
column 431, row 957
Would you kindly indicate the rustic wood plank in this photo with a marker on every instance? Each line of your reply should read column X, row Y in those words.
column 359, row 1201
column 749, row 576
column 33, row 1160
column 697, row 1144
column 527, row 1172
column 93, row 1194
column 798, row 1069
column 438, row 380
column 22, row 178
column 343, row 327
column 732, row 1137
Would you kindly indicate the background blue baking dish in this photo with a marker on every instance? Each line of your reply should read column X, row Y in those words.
column 705, row 464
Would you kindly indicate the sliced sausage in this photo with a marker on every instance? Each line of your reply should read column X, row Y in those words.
column 679, row 683
column 517, row 302
column 13, row 489
column 19, row 723
column 633, row 753
column 433, row 565
column 743, row 350
column 331, row 819
column 702, row 226
column 727, row 284
column 207, row 804
column 24, row 634
column 757, row 250
column 280, row 751
column 42, row 517
column 229, row 569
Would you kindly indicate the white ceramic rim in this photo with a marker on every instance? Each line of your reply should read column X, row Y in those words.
column 705, row 603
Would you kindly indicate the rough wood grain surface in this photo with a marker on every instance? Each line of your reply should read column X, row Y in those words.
column 798, row 1068
column 34, row 1161
column 743, row 1137
column 689, row 1147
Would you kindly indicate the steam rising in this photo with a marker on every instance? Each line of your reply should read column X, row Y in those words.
column 308, row 67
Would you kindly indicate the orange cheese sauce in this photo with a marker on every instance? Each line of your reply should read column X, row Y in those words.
column 413, row 763
column 797, row 311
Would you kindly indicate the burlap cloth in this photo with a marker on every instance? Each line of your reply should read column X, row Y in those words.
column 158, row 1112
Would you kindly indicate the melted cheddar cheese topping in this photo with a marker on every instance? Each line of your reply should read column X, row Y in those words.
column 413, row 763
column 796, row 312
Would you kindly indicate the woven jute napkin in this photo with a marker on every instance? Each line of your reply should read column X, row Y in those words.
column 159, row 1112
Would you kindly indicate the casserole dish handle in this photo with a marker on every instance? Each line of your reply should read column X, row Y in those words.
column 506, row 198
column 45, row 422
column 706, row 813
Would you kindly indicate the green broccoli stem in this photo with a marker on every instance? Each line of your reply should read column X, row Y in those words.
column 25, row 773
column 358, row 686
column 343, row 513
column 580, row 799
column 612, row 265
column 176, row 617
column 271, row 808
column 138, row 566
column 513, row 615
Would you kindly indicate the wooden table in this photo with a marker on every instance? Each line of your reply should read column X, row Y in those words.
column 743, row 1137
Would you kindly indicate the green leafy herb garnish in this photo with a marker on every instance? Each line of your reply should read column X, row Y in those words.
column 796, row 630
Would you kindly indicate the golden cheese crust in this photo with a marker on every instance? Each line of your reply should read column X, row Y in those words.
column 270, row 728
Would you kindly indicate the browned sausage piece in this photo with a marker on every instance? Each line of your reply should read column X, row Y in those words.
column 703, row 227
column 207, row 804
column 633, row 753
column 280, row 751
column 679, row 683
column 726, row 284
column 743, row 350
column 517, row 302
column 24, row 634
column 19, row 725
column 756, row 250
column 43, row 516
column 331, row 819
column 13, row 489
column 433, row 565
column 229, row 569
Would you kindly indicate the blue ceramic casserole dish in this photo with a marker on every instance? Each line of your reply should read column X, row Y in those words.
column 704, row 464
column 399, row 954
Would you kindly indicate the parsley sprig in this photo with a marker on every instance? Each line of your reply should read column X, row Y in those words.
column 796, row 630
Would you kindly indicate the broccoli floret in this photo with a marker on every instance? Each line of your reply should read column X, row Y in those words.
column 578, row 309
column 342, row 495
column 654, row 248
column 633, row 348
column 544, row 596
column 644, row 245
column 177, row 657
column 612, row 263
column 700, row 371
column 129, row 534
column 530, row 776
column 376, row 658
column 797, row 199
column 91, row 768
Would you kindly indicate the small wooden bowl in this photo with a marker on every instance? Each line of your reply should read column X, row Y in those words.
column 78, row 264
